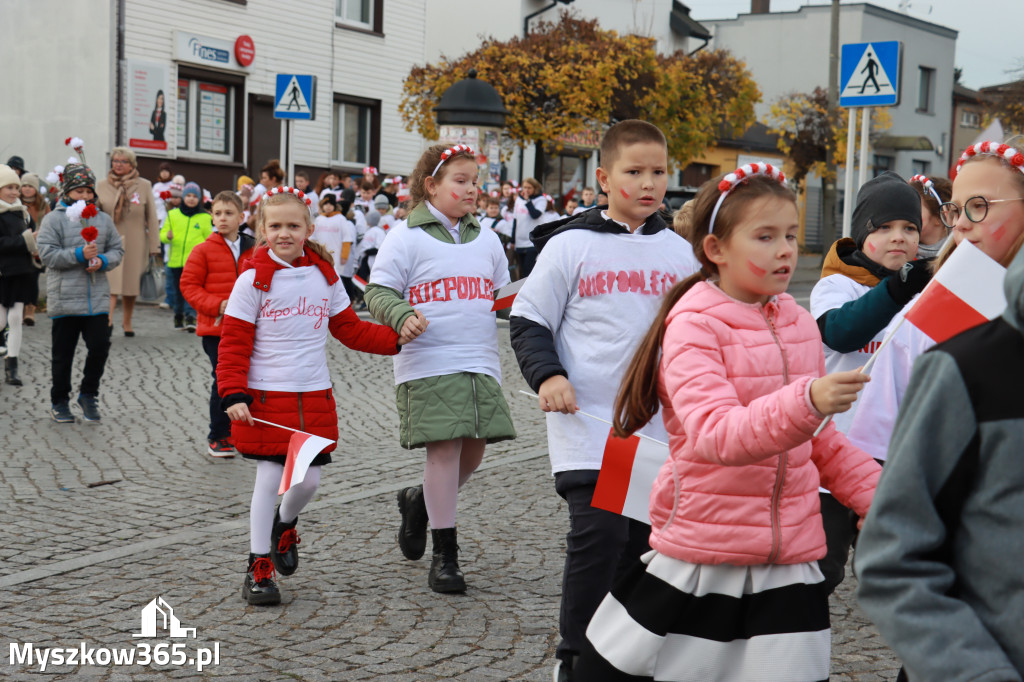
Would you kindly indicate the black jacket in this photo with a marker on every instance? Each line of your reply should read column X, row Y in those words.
column 533, row 343
column 15, row 257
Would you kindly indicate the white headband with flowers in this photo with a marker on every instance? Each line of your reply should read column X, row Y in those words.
column 284, row 189
column 1008, row 153
column 449, row 153
column 729, row 182
column 928, row 185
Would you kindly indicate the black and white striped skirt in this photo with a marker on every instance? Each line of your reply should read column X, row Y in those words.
column 676, row 621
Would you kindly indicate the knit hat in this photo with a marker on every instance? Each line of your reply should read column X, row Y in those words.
column 30, row 179
column 17, row 163
column 192, row 188
column 77, row 175
column 8, row 177
column 178, row 180
column 882, row 199
column 175, row 190
column 373, row 218
column 381, row 201
column 242, row 181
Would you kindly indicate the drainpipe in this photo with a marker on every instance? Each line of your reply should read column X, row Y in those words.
column 119, row 77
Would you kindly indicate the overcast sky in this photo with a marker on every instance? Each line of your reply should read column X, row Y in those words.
column 983, row 49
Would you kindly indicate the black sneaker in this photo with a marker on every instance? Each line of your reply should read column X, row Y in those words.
column 412, row 531
column 190, row 324
column 61, row 413
column 90, row 407
column 284, row 545
column 179, row 321
column 259, row 588
column 220, row 447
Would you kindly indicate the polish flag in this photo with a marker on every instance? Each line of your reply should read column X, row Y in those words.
column 504, row 296
column 302, row 449
column 359, row 282
column 965, row 292
column 627, row 475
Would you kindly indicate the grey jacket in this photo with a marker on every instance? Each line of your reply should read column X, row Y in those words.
column 940, row 558
column 70, row 290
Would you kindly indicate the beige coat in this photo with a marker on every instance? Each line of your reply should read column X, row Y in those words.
column 139, row 230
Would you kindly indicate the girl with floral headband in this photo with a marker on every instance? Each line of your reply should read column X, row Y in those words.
column 736, row 365
column 433, row 282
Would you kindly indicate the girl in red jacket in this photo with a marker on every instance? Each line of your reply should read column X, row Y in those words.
column 206, row 282
column 273, row 366
column 731, row 589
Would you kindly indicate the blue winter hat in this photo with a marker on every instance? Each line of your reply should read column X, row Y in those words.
column 192, row 188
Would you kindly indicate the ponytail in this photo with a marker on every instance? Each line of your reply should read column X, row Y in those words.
column 320, row 250
column 637, row 400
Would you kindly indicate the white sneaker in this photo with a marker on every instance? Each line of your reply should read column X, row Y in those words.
column 163, row 305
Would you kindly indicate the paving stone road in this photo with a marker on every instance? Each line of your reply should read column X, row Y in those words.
column 102, row 519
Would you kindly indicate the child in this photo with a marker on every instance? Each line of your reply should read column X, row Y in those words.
column 529, row 207
column 599, row 281
column 303, row 185
column 77, row 292
column 734, row 363
column 864, row 282
column 273, row 366
column 37, row 206
column 185, row 228
column 337, row 234
column 571, row 205
column 982, row 174
column 383, row 208
column 206, row 282
column 18, row 283
column 938, row 561
column 934, row 192
column 448, row 377
column 588, row 199
column 492, row 220
column 367, row 191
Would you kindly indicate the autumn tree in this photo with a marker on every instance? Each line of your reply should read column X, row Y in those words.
column 572, row 76
column 1006, row 102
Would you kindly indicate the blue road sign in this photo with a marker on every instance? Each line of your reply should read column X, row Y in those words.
column 869, row 74
column 295, row 97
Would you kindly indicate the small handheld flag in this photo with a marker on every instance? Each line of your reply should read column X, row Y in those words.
column 302, row 449
column 504, row 297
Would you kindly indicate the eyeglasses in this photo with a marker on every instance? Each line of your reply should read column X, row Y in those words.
column 118, row 162
column 976, row 209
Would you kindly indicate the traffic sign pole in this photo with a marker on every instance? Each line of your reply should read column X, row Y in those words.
column 848, row 197
column 865, row 133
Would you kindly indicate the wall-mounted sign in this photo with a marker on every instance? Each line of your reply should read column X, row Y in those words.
column 148, row 100
column 207, row 51
column 245, row 50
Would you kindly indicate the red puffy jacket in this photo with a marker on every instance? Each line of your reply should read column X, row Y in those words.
column 312, row 411
column 208, row 277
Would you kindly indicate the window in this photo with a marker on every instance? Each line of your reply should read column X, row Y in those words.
column 970, row 119
column 355, row 131
column 882, row 164
column 360, row 14
column 207, row 115
column 920, row 167
column 926, row 89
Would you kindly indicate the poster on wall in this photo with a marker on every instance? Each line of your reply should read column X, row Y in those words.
column 212, row 127
column 148, row 101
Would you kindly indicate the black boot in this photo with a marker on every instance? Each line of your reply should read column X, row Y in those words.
column 412, row 532
column 284, row 545
column 445, row 575
column 11, row 371
column 260, row 588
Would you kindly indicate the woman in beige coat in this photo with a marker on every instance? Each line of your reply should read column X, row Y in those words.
column 128, row 199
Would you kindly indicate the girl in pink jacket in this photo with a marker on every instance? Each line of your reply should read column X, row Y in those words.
column 731, row 589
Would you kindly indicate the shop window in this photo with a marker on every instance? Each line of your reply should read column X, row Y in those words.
column 207, row 117
column 355, row 131
column 360, row 14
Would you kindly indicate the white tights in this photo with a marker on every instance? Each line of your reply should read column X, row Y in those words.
column 12, row 316
column 264, row 497
column 449, row 465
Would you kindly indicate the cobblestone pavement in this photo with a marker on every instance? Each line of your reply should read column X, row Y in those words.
column 102, row 519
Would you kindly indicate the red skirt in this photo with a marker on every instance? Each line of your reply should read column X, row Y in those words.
column 313, row 412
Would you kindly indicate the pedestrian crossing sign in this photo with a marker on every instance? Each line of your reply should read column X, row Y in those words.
column 869, row 74
column 295, row 97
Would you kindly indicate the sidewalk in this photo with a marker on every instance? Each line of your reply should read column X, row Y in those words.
column 103, row 519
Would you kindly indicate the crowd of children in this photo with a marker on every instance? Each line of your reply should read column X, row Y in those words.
column 686, row 336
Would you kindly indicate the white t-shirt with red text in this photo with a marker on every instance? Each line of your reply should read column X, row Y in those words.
column 289, row 349
column 598, row 293
column 453, row 286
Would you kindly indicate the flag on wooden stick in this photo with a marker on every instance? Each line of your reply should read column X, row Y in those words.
column 302, row 449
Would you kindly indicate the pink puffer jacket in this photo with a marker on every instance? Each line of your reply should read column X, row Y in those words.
column 741, row 483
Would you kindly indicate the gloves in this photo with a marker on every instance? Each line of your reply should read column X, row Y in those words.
column 909, row 280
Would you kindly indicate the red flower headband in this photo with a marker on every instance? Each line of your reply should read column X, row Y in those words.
column 449, row 153
column 928, row 185
column 729, row 182
column 284, row 189
column 370, row 170
column 1008, row 153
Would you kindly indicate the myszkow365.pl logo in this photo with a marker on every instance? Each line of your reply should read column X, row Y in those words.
column 158, row 620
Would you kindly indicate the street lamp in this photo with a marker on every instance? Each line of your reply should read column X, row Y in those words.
column 471, row 102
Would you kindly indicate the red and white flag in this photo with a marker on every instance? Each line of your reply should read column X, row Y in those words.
column 504, row 296
column 627, row 475
column 302, row 449
column 359, row 282
column 965, row 292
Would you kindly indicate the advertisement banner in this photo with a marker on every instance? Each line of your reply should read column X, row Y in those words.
column 148, row 106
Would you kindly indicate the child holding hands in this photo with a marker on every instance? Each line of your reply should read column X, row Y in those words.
column 441, row 270
column 273, row 366
column 736, row 367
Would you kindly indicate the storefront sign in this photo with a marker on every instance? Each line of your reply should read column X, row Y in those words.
column 245, row 50
column 586, row 139
column 149, row 100
column 215, row 52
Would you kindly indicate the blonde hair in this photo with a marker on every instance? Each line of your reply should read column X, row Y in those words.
column 125, row 153
column 281, row 199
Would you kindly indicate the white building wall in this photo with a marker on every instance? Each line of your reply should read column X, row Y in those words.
column 58, row 80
